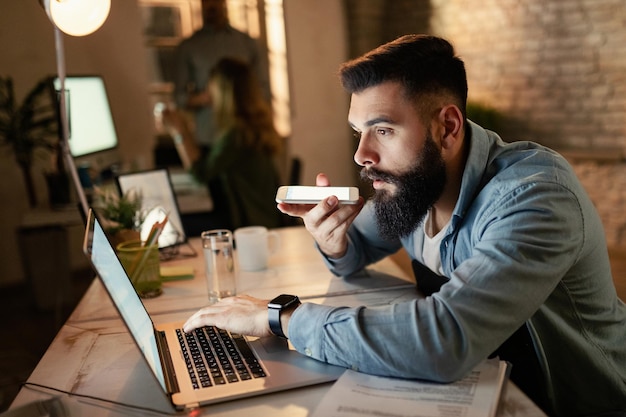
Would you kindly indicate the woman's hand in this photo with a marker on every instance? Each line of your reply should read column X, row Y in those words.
column 176, row 125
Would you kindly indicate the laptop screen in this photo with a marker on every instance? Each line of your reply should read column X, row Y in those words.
column 114, row 277
column 158, row 200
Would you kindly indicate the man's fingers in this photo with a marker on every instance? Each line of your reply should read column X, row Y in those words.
column 294, row 210
column 240, row 314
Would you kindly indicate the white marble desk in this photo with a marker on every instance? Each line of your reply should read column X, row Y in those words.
column 93, row 355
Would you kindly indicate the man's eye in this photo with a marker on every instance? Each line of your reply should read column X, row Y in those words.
column 383, row 131
column 357, row 135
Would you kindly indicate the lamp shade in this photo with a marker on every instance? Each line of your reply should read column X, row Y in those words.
column 77, row 17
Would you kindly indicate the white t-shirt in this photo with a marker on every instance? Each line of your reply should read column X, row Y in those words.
column 431, row 250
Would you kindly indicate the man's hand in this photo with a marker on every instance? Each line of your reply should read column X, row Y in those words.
column 240, row 314
column 200, row 99
column 328, row 222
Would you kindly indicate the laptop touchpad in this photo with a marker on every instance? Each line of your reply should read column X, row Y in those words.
column 274, row 344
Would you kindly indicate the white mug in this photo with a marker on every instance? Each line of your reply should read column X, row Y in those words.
column 254, row 246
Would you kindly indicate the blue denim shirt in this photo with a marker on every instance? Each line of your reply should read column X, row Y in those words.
column 524, row 245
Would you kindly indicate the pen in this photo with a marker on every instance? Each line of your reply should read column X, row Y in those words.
column 137, row 266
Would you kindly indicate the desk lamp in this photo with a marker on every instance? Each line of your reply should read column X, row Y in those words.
column 75, row 18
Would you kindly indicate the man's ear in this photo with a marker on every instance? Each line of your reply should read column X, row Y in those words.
column 451, row 118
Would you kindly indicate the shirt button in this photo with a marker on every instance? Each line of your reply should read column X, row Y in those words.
column 308, row 352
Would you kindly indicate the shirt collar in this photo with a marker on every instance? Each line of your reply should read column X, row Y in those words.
column 480, row 143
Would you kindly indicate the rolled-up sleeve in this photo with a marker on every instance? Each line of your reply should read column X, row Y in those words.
column 378, row 340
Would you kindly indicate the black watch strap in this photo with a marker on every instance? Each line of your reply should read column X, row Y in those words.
column 274, row 318
column 275, row 307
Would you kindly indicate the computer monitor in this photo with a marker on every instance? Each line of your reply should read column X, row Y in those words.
column 156, row 191
column 93, row 139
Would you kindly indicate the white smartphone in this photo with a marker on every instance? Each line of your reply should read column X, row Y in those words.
column 303, row 194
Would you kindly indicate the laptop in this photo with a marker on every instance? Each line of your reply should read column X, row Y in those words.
column 268, row 364
column 158, row 201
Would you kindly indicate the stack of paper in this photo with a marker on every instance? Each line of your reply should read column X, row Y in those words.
column 356, row 395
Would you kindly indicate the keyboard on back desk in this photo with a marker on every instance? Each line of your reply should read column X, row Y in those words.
column 215, row 357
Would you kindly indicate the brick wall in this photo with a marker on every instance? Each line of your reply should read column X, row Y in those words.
column 554, row 70
column 605, row 182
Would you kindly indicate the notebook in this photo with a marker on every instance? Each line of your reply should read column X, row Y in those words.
column 158, row 200
column 279, row 368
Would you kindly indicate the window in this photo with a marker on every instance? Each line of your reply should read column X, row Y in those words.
column 165, row 23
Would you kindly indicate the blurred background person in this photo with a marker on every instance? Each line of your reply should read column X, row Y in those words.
column 198, row 54
column 241, row 165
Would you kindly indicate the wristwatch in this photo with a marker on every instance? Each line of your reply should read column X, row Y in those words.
column 279, row 304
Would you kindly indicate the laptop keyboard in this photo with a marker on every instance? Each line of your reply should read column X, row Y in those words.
column 216, row 357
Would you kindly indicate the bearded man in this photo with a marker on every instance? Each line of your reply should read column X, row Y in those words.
column 505, row 231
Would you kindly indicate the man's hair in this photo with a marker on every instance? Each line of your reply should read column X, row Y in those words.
column 426, row 66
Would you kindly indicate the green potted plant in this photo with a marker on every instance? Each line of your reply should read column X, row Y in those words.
column 121, row 215
column 484, row 115
column 30, row 127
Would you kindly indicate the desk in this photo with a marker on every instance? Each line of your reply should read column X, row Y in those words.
column 94, row 355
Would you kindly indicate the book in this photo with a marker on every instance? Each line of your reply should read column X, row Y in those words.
column 356, row 394
column 176, row 273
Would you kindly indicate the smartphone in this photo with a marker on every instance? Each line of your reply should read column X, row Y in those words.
column 302, row 194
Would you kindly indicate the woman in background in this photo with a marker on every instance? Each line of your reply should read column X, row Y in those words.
column 240, row 166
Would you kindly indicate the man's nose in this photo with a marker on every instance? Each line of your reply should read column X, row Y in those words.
column 366, row 153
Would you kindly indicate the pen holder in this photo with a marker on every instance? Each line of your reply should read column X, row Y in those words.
column 142, row 266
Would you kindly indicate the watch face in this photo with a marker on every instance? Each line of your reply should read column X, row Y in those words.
column 282, row 300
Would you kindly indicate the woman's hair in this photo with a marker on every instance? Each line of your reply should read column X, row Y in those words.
column 426, row 66
column 239, row 103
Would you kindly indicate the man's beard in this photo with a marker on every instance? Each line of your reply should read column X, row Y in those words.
column 400, row 214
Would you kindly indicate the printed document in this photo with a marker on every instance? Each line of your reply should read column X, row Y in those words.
column 356, row 395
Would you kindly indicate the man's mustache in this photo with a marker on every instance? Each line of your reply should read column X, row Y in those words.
column 373, row 174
